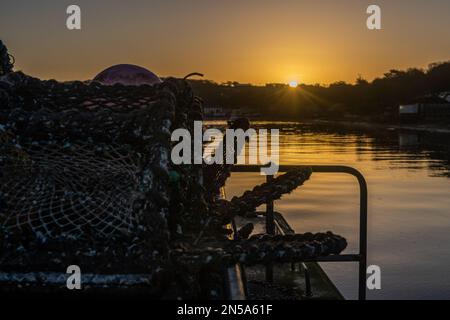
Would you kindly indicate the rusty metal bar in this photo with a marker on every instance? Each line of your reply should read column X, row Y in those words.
column 270, row 223
column 270, row 229
column 361, row 257
column 235, row 284
column 308, row 290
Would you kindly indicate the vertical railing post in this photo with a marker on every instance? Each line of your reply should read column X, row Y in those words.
column 362, row 236
column 270, row 229
column 270, row 223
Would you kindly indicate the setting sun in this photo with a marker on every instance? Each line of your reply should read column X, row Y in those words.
column 293, row 84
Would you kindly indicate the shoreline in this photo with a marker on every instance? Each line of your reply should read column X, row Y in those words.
column 356, row 124
column 368, row 125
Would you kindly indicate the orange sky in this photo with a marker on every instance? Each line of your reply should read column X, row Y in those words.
column 254, row 41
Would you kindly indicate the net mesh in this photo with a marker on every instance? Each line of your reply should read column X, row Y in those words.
column 53, row 190
column 86, row 160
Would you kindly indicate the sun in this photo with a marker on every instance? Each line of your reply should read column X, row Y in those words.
column 293, row 84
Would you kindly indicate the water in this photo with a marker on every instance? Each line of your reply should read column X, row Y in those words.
column 409, row 203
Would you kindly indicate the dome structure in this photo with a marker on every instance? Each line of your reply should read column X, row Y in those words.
column 127, row 74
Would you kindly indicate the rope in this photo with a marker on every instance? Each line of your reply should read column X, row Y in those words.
column 264, row 249
column 193, row 74
column 266, row 192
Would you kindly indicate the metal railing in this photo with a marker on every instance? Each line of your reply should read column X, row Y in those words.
column 360, row 257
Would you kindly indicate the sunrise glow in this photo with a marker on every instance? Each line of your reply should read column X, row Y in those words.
column 293, row 84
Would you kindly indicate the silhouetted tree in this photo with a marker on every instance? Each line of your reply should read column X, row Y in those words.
column 363, row 98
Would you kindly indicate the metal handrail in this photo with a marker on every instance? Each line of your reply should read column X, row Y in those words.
column 361, row 257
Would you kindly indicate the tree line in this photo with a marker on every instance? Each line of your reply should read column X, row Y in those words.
column 378, row 99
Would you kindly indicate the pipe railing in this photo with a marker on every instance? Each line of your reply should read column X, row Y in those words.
column 361, row 257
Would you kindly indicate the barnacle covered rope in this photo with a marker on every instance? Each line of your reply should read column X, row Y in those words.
column 259, row 195
column 263, row 249
column 270, row 191
column 216, row 174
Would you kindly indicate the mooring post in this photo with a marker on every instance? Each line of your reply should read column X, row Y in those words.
column 270, row 224
column 270, row 229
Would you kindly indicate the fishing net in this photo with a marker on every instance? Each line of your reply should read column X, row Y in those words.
column 85, row 167
column 53, row 189
column 80, row 172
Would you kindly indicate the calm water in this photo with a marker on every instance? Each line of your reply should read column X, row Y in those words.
column 409, row 203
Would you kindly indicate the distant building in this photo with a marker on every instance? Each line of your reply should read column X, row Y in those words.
column 427, row 108
column 221, row 113
column 276, row 85
column 244, row 112
column 216, row 113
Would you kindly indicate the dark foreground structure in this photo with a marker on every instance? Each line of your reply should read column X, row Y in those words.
column 86, row 179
